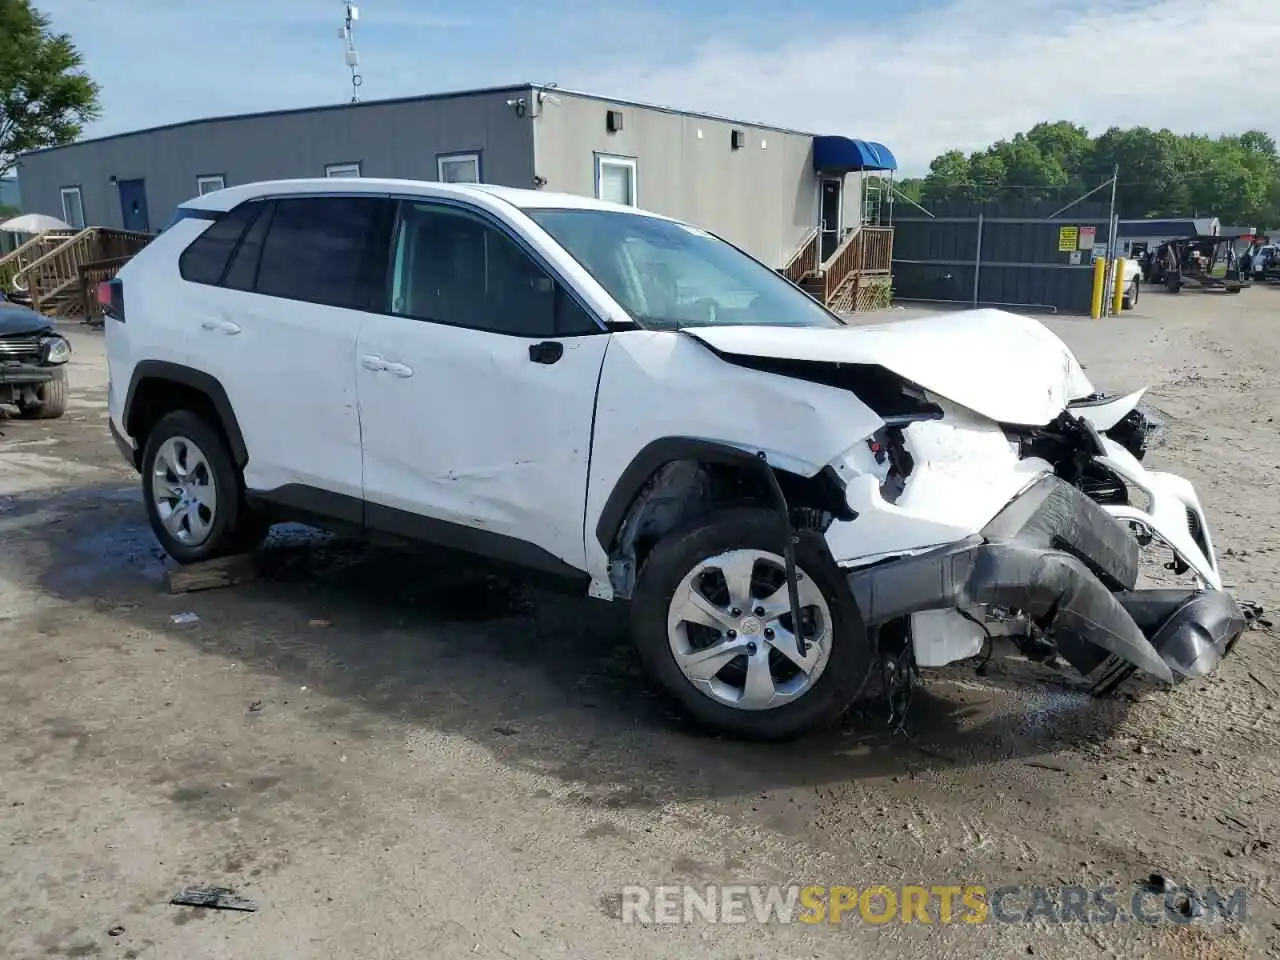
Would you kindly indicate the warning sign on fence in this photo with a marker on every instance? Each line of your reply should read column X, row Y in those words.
column 1068, row 237
column 1087, row 238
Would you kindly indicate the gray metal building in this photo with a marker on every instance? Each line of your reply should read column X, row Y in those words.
column 763, row 188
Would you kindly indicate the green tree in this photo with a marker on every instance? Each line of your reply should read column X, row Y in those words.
column 1162, row 174
column 45, row 96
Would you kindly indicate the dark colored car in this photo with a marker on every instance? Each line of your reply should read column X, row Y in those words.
column 33, row 358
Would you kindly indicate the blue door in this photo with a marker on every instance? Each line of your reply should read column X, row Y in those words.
column 133, row 205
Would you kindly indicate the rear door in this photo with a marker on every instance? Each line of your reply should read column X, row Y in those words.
column 278, row 328
column 477, row 393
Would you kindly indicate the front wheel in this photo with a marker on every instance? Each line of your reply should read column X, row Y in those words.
column 193, row 493
column 712, row 625
column 1131, row 295
column 51, row 399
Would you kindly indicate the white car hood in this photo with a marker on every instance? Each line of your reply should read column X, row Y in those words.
column 1006, row 367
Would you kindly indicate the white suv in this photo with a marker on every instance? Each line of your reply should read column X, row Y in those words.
column 642, row 411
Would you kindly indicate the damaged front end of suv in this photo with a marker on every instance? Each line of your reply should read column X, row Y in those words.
column 1011, row 515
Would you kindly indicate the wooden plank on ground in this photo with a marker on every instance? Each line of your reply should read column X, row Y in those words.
column 212, row 574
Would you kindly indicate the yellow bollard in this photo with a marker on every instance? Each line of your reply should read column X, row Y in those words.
column 1117, row 287
column 1099, row 287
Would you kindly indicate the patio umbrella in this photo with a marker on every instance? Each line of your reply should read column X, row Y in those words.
column 34, row 223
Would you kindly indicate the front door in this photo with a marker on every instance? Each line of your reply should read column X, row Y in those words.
column 477, row 393
column 133, row 205
column 830, row 222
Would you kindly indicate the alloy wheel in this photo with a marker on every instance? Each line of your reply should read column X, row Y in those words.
column 731, row 633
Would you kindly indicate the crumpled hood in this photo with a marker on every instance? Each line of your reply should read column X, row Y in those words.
column 1006, row 367
column 17, row 319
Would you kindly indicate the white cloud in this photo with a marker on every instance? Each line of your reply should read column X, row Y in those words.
column 971, row 72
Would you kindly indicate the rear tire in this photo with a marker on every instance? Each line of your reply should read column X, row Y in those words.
column 194, row 493
column 51, row 402
column 802, row 699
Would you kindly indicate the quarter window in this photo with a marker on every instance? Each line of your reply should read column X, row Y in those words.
column 451, row 266
column 73, row 207
column 206, row 258
column 328, row 250
column 242, row 273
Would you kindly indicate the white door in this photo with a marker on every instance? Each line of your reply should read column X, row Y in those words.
column 477, row 394
column 278, row 328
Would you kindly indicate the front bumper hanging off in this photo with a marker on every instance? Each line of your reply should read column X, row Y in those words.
column 1057, row 556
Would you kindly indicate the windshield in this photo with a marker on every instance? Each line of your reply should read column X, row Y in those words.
column 668, row 275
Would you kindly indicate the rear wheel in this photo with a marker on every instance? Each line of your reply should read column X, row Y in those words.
column 51, row 399
column 194, row 493
column 712, row 624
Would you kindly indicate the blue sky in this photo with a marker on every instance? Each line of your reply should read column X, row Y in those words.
column 920, row 75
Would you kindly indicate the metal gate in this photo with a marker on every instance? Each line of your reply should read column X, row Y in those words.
column 1007, row 254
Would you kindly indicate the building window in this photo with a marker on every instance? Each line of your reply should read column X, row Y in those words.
column 342, row 170
column 458, row 168
column 73, row 207
column 616, row 179
column 210, row 183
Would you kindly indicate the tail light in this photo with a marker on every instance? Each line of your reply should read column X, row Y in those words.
column 111, row 299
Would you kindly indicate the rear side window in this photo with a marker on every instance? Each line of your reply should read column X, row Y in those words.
column 206, row 257
column 327, row 250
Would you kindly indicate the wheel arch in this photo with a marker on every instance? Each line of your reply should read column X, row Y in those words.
column 697, row 474
column 160, row 386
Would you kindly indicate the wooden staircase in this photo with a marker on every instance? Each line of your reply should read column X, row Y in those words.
column 856, row 277
column 57, row 273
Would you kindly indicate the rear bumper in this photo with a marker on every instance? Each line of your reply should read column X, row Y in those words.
column 1061, row 559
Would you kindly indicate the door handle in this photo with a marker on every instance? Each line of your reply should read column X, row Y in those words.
column 548, row 351
column 221, row 326
column 372, row 362
column 399, row 369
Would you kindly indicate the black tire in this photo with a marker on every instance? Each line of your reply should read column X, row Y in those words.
column 676, row 554
column 1131, row 295
column 51, row 399
column 235, row 528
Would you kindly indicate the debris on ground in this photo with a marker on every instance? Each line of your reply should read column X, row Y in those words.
column 212, row 574
column 217, row 898
column 115, row 931
column 255, row 706
column 182, row 619
column 319, row 622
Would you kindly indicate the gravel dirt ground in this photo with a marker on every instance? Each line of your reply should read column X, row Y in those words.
column 406, row 758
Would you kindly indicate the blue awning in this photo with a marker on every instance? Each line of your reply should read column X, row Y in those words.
column 844, row 155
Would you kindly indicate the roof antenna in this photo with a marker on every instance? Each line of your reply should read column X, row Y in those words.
column 352, row 58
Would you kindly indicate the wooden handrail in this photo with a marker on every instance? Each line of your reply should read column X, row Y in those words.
column 23, row 254
column 843, row 261
column 52, row 273
column 804, row 260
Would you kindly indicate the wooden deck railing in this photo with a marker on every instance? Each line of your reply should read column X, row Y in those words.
column 843, row 262
column 56, row 274
column 877, row 250
column 805, row 259
column 91, row 274
column 23, row 255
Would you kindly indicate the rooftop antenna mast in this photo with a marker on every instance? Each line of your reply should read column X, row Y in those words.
column 352, row 57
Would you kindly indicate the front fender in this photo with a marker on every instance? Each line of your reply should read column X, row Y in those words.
column 663, row 385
